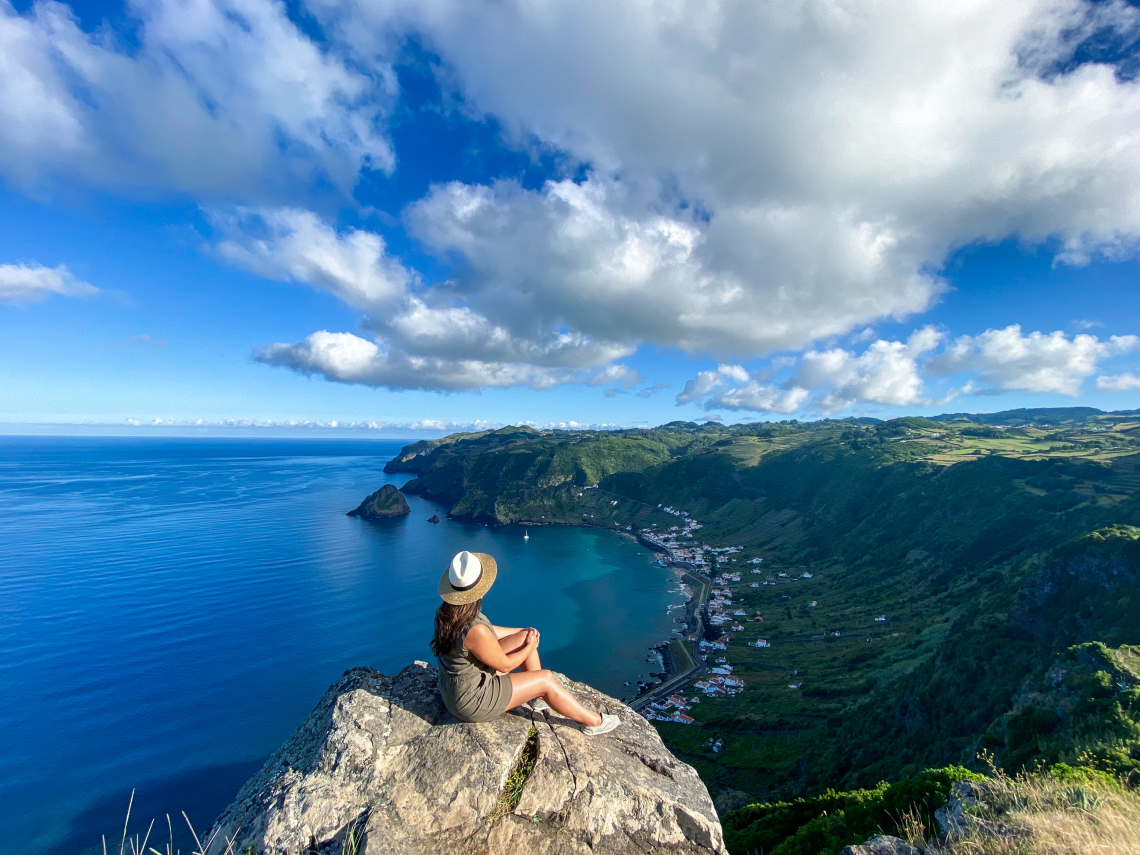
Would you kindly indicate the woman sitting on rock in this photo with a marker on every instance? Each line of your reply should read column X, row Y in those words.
column 476, row 657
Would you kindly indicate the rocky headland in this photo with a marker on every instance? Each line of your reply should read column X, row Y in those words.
column 385, row 502
column 380, row 766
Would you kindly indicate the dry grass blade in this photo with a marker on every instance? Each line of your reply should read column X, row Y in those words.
column 140, row 848
column 126, row 822
column 1039, row 814
column 911, row 828
column 200, row 850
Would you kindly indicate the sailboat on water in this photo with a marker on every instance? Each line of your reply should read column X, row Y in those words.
column 526, row 535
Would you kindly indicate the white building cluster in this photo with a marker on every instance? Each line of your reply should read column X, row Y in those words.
column 720, row 681
column 679, row 546
column 673, row 708
column 721, row 612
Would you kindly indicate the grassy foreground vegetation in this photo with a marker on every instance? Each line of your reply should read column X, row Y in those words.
column 1063, row 810
column 974, row 585
column 1060, row 812
column 828, row 822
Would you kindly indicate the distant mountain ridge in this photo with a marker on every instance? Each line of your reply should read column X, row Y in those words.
column 1036, row 416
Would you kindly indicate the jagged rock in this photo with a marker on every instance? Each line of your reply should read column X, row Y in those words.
column 385, row 502
column 883, row 844
column 380, row 760
column 952, row 818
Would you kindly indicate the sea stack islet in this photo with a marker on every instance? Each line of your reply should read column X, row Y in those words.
column 385, row 502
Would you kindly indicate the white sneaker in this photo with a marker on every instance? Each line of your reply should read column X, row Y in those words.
column 608, row 723
column 539, row 704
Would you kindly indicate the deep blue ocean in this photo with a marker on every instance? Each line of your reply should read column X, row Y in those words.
column 171, row 609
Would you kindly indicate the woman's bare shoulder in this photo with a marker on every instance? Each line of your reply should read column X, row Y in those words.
column 479, row 633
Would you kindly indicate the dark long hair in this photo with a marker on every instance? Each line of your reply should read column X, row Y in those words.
column 449, row 622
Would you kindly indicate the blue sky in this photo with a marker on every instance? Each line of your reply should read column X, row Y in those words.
column 417, row 217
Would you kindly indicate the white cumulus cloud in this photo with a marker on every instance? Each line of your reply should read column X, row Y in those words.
column 707, row 381
column 896, row 373
column 886, row 372
column 31, row 283
column 220, row 98
column 297, row 245
column 765, row 176
column 588, row 255
column 1117, row 383
column 347, row 358
column 750, row 178
column 1009, row 360
column 420, row 339
column 759, row 396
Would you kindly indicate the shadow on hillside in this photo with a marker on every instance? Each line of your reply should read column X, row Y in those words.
column 202, row 793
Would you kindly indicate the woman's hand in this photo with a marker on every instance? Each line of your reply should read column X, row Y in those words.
column 482, row 642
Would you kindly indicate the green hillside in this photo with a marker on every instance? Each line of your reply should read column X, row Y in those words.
column 968, row 574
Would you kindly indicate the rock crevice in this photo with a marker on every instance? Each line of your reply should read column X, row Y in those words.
column 382, row 763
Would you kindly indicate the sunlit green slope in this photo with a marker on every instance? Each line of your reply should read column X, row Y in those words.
column 953, row 564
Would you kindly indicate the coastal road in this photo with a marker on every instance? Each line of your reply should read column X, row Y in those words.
column 673, row 684
column 701, row 587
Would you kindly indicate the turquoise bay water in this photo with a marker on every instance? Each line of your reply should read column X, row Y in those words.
column 170, row 610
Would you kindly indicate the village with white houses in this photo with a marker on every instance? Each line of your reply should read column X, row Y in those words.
column 681, row 549
column 679, row 546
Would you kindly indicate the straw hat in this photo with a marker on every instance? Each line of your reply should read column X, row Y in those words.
column 469, row 576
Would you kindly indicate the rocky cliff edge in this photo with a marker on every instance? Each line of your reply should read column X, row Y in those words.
column 380, row 766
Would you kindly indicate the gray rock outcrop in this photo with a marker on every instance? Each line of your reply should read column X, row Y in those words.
column 953, row 818
column 380, row 767
column 883, row 844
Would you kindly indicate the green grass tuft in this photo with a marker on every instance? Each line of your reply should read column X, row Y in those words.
column 516, row 780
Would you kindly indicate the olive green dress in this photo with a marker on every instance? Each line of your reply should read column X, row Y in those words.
column 471, row 689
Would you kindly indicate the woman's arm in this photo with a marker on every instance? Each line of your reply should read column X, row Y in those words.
column 500, row 631
column 482, row 642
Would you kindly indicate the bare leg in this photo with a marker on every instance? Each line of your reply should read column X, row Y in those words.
column 529, row 685
column 511, row 643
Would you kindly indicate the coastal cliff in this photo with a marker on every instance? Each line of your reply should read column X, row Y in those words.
column 385, row 502
column 518, row 474
column 380, row 766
